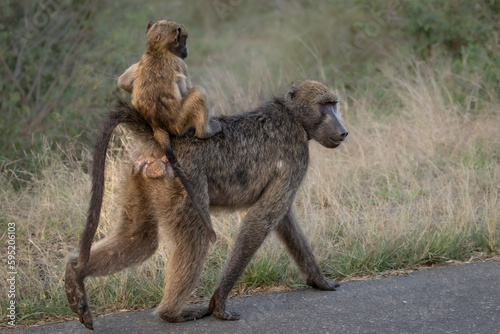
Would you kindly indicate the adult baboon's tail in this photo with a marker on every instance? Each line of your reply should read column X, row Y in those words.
column 122, row 112
column 191, row 194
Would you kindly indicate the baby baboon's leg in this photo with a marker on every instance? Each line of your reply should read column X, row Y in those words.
column 185, row 264
column 256, row 225
column 195, row 110
column 290, row 233
column 133, row 241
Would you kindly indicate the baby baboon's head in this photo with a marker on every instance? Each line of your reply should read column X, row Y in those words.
column 167, row 36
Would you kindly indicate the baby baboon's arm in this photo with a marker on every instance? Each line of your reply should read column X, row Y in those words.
column 126, row 80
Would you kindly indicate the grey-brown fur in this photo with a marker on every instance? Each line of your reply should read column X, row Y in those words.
column 257, row 162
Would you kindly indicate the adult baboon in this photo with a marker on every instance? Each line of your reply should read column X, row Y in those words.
column 257, row 162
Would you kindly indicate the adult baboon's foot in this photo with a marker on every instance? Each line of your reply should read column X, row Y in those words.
column 75, row 292
column 217, row 307
column 322, row 284
column 188, row 313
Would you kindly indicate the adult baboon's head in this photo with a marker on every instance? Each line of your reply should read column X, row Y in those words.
column 314, row 106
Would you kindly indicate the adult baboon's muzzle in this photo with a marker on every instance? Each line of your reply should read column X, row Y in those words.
column 331, row 133
column 340, row 132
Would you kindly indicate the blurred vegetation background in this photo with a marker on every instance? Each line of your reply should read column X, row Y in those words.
column 59, row 59
column 415, row 183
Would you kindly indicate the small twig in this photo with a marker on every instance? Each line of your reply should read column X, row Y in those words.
column 12, row 78
column 36, row 81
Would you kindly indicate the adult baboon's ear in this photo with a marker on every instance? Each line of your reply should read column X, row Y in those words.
column 290, row 94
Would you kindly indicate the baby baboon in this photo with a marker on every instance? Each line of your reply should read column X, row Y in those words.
column 257, row 163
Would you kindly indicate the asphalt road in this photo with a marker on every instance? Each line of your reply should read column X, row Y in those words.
column 455, row 299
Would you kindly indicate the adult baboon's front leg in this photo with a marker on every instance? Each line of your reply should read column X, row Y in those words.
column 256, row 225
column 290, row 233
column 249, row 240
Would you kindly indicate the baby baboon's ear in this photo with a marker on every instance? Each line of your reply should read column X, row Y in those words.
column 175, row 36
column 290, row 94
column 178, row 35
column 150, row 24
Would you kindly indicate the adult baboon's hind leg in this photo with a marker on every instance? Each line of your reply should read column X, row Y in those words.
column 134, row 240
column 190, row 247
column 290, row 233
